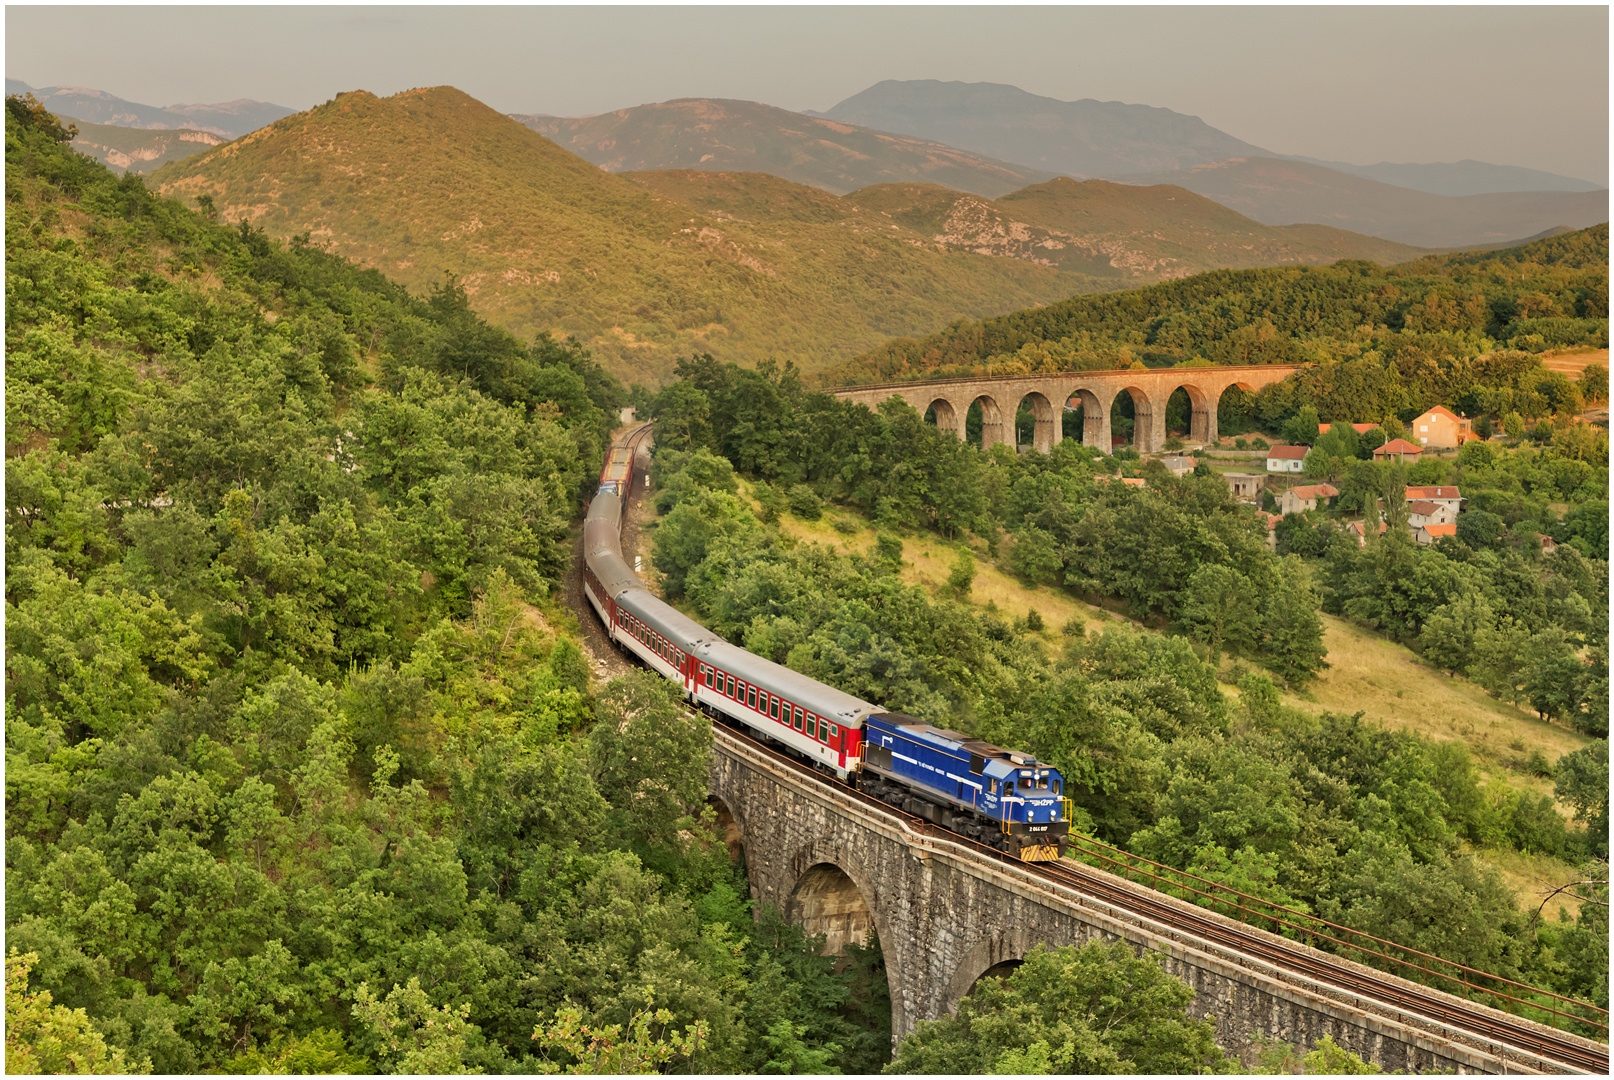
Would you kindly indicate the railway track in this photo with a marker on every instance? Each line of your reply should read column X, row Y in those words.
column 1483, row 1022
column 1309, row 965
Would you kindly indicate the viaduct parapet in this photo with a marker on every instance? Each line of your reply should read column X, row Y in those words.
column 1096, row 392
column 945, row 916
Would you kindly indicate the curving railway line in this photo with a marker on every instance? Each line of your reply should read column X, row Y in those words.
column 1493, row 1027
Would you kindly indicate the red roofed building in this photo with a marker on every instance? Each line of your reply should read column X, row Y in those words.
column 1297, row 500
column 1447, row 496
column 1428, row 534
column 1359, row 531
column 1397, row 449
column 1424, row 512
column 1363, row 429
column 1287, row 459
column 1442, row 428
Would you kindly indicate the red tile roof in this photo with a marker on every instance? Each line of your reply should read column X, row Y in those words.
column 1441, row 410
column 1440, row 530
column 1423, row 507
column 1315, row 491
column 1363, row 429
column 1288, row 453
column 1432, row 493
column 1398, row 446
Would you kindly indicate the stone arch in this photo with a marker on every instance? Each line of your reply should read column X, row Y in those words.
column 1201, row 412
column 827, row 901
column 827, row 852
column 729, row 828
column 997, row 953
column 995, row 427
column 1216, row 404
column 1146, row 418
column 1095, row 418
column 1047, row 433
column 948, row 418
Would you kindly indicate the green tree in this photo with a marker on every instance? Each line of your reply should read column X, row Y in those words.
column 607, row 1051
column 1095, row 1009
column 650, row 759
column 1581, row 780
column 961, row 575
column 46, row 1038
column 414, row 1036
column 1221, row 605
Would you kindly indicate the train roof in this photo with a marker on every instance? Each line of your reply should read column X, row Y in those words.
column 999, row 762
column 777, row 679
column 662, row 617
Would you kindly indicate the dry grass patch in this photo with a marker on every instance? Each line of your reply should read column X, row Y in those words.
column 1532, row 877
column 1399, row 692
column 1572, row 364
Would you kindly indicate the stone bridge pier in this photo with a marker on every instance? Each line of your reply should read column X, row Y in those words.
column 945, row 916
column 1097, row 392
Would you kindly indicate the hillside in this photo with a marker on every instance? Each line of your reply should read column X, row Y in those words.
column 1112, row 230
column 1279, row 192
column 1075, row 138
column 719, row 135
column 138, row 150
column 1394, row 326
column 229, row 119
column 431, row 182
column 1466, row 177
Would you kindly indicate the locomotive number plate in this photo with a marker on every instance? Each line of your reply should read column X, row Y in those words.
column 1037, row 828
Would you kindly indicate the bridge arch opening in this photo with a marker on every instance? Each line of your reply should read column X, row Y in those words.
column 1086, row 420
column 1235, row 410
column 1132, row 417
column 984, row 424
column 1189, row 415
column 941, row 414
column 826, row 901
column 728, row 829
column 1000, row 970
column 1034, row 423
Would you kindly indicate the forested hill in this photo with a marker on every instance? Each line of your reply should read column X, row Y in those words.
column 304, row 772
column 432, row 181
column 1546, row 294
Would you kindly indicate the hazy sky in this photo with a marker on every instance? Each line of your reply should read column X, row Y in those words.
column 1510, row 85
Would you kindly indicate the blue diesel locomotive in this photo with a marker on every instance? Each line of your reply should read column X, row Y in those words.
column 1002, row 798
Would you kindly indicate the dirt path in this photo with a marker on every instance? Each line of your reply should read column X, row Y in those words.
column 607, row 661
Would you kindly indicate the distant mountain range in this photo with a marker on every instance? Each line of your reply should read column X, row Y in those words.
column 988, row 139
column 139, row 150
column 717, row 135
column 1464, row 177
column 1277, row 191
column 647, row 267
column 1079, row 139
column 230, row 119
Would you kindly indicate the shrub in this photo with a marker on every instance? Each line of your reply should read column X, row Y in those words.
column 1034, row 621
column 845, row 525
column 805, row 503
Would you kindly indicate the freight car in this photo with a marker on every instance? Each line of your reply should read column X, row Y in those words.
column 999, row 797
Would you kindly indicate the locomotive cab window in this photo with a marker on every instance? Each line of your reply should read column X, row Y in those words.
column 1042, row 782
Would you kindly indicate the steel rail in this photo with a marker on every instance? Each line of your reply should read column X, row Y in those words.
column 1325, row 968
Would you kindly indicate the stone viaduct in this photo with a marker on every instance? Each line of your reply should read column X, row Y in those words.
column 1096, row 391
column 945, row 916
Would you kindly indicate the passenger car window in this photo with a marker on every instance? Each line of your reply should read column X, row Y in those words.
column 823, row 730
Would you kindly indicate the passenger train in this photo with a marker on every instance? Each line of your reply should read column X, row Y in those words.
column 1000, row 797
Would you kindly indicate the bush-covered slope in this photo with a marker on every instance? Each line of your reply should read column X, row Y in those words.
column 1551, row 293
column 431, row 182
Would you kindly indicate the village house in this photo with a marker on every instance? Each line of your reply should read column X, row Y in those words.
column 1425, row 512
column 1440, row 428
column 1358, row 532
column 1245, row 485
column 1178, row 466
column 1447, row 496
column 1428, row 534
column 1287, row 459
column 1363, row 429
column 1271, row 522
column 1398, row 450
column 1297, row 500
